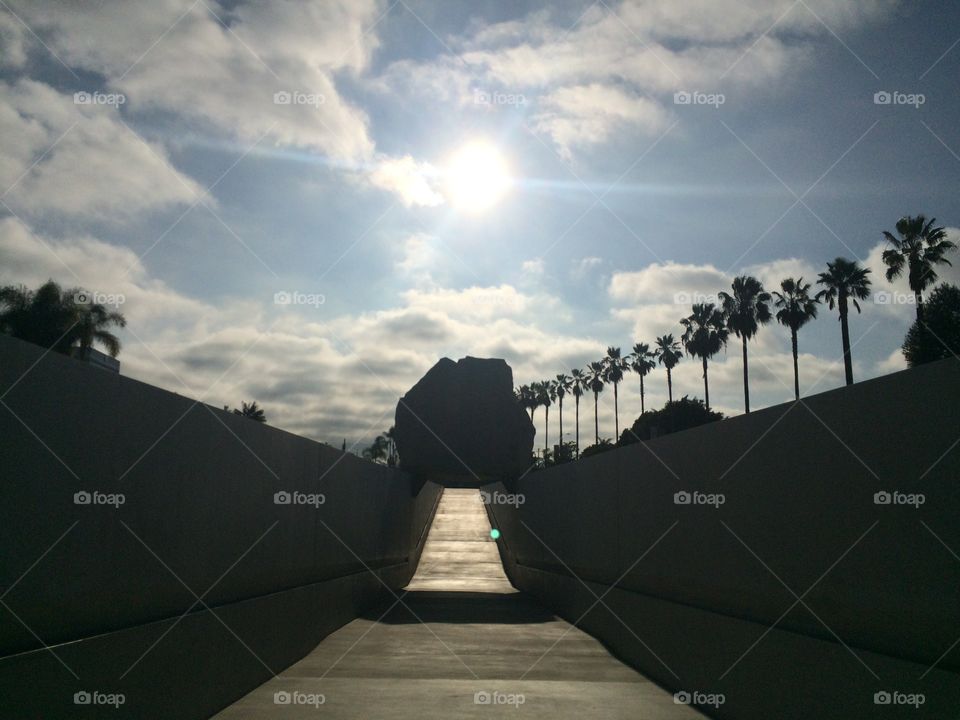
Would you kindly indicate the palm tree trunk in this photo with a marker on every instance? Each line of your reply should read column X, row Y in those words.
column 669, row 386
column 546, row 434
column 845, row 338
column 561, row 422
column 706, row 386
column 796, row 368
column 577, row 402
column 746, row 379
column 642, row 408
column 919, row 299
column 616, row 415
column 596, row 420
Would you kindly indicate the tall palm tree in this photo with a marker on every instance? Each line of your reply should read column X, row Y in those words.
column 252, row 411
column 745, row 311
column 616, row 367
column 563, row 385
column 920, row 247
column 705, row 334
column 578, row 383
column 668, row 354
column 54, row 318
column 545, row 393
column 844, row 281
column 596, row 376
column 642, row 360
column 796, row 309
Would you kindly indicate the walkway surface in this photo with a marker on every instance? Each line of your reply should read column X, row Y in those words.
column 461, row 642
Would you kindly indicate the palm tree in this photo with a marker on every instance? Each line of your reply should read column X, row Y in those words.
column 844, row 280
column 57, row 319
column 745, row 311
column 705, row 334
column 797, row 308
column 642, row 360
column 545, row 394
column 596, row 376
column 251, row 411
column 562, row 386
column 668, row 354
column 616, row 367
column 920, row 247
column 578, row 382
column 391, row 436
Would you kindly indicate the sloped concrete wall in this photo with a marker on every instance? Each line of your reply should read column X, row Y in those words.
column 106, row 582
column 704, row 597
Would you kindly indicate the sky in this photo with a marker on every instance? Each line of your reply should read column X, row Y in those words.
column 307, row 204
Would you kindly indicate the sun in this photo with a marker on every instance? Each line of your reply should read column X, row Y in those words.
column 476, row 177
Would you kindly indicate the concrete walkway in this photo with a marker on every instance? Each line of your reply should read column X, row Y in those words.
column 461, row 642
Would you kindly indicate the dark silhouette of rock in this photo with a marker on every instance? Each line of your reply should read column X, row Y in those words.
column 462, row 421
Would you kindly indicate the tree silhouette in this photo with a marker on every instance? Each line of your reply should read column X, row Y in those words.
column 562, row 385
column 796, row 309
column 668, row 354
column 642, row 360
column 596, row 376
column 745, row 311
column 844, row 281
column 705, row 334
column 616, row 366
column 251, row 411
column 578, row 385
column 58, row 319
column 919, row 249
column 937, row 336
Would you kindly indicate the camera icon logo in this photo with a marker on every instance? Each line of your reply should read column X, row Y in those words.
column 882, row 98
column 82, row 498
column 881, row 698
column 82, row 297
column 681, row 698
column 482, row 697
column 82, row 698
column 882, row 298
column 82, row 98
column 882, row 498
column 481, row 97
column 682, row 98
column 282, row 697
column 681, row 498
column 282, row 298
column 281, row 98
column 282, row 498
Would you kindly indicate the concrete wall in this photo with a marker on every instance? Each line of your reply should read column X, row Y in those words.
column 101, row 584
column 687, row 590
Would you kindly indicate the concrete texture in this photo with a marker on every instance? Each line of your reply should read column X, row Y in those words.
column 101, row 584
column 457, row 635
column 692, row 588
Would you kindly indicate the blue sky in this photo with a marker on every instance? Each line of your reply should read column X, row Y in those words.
column 199, row 198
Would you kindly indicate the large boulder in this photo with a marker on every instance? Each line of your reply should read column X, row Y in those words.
column 461, row 420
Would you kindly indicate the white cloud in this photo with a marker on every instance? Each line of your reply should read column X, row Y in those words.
column 408, row 179
column 80, row 159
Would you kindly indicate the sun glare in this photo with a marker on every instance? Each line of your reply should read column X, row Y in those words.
column 476, row 177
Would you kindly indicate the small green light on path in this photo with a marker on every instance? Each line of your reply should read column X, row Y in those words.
column 495, row 533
